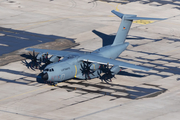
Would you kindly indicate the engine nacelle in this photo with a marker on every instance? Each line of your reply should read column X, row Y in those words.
column 115, row 69
column 54, row 59
column 94, row 66
column 41, row 57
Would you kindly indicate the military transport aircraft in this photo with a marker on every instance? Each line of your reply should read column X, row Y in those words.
column 88, row 65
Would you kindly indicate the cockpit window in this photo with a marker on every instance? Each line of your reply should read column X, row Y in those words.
column 50, row 70
column 70, row 56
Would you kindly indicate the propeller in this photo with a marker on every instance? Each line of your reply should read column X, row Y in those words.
column 34, row 62
column 86, row 70
column 108, row 73
column 28, row 65
column 46, row 60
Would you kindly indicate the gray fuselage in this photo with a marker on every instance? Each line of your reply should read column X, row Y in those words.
column 70, row 67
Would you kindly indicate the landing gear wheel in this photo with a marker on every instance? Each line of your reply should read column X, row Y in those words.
column 55, row 83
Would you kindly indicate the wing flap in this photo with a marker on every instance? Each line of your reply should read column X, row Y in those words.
column 103, row 60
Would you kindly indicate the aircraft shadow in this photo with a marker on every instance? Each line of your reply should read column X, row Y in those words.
column 109, row 78
column 160, row 67
column 13, row 40
column 130, row 92
column 23, row 80
column 101, row 88
column 109, row 39
column 124, row 73
column 18, row 72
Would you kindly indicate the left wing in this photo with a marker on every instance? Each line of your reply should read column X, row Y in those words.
column 103, row 60
column 53, row 52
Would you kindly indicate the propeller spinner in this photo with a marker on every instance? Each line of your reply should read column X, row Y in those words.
column 86, row 70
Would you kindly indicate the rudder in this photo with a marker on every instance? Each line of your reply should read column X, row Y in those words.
column 125, row 25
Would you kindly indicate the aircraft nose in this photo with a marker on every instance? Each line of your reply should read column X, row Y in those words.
column 45, row 76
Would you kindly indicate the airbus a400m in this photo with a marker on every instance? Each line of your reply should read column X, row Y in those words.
column 88, row 65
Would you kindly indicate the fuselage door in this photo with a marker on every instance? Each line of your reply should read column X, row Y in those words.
column 62, row 76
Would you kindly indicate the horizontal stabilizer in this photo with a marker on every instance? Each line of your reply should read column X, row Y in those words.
column 133, row 17
column 143, row 18
column 117, row 13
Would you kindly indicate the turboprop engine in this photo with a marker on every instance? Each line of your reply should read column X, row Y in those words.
column 41, row 57
column 115, row 69
column 111, row 71
column 54, row 59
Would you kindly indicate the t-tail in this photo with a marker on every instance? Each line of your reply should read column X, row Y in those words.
column 125, row 25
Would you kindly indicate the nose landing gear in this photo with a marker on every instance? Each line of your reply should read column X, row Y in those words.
column 54, row 83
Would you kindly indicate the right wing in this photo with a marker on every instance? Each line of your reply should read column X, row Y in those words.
column 105, row 61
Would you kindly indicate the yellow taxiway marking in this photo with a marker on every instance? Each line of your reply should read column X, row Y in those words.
column 76, row 71
column 94, row 66
column 22, row 93
column 117, row 7
column 143, row 21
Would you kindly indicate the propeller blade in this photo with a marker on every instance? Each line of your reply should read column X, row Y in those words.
column 82, row 66
column 89, row 77
column 108, row 65
column 92, row 74
column 99, row 74
column 30, row 55
column 37, row 55
column 89, row 65
column 85, row 76
column 33, row 53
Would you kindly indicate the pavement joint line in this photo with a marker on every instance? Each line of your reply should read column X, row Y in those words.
column 172, row 50
column 41, row 23
column 24, row 115
column 23, row 93
column 97, row 112
column 56, row 19
column 52, row 4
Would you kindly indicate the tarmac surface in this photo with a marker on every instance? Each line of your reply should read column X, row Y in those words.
column 85, row 25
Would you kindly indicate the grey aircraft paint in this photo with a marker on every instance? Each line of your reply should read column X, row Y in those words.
column 72, row 64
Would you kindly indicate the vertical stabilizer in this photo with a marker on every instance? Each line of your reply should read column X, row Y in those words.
column 123, row 29
column 125, row 25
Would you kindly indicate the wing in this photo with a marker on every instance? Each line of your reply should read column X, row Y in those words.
column 103, row 60
column 53, row 52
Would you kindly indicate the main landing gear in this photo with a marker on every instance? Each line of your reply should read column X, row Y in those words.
column 54, row 83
